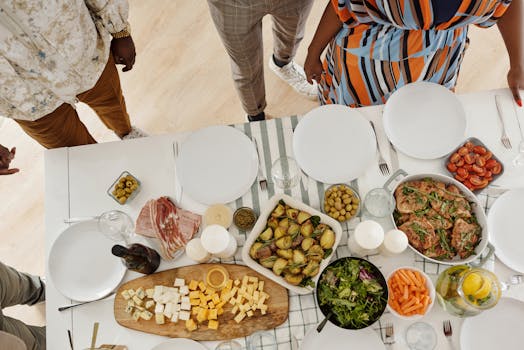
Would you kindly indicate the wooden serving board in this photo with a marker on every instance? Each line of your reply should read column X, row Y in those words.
column 277, row 312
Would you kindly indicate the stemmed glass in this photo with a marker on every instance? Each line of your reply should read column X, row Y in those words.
column 116, row 225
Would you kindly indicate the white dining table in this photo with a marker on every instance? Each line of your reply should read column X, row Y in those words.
column 77, row 178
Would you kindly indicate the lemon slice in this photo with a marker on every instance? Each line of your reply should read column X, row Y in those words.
column 484, row 290
column 472, row 284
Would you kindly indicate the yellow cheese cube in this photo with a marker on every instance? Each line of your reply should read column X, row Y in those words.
column 261, row 300
column 229, row 284
column 253, row 279
column 137, row 314
column 234, row 291
column 256, row 296
column 202, row 315
column 194, row 301
column 209, row 297
column 220, row 305
column 215, row 298
column 210, row 290
column 245, row 279
column 203, row 305
column 211, row 305
column 159, row 318
column 193, row 285
column 195, row 310
column 212, row 324
column 236, row 282
column 202, row 286
column 137, row 300
column 249, row 313
column 195, row 294
column 212, row 314
column 232, row 301
column 240, row 317
column 146, row 315
column 261, row 286
column 220, row 311
column 191, row 325
column 126, row 295
column 235, row 309
column 250, row 289
column 263, row 308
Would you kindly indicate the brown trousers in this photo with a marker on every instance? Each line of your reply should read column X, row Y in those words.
column 63, row 128
column 239, row 24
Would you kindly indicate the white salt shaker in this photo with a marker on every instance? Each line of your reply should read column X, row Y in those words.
column 218, row 241
column 196, row 252
column 368, row 236
column 395, row 242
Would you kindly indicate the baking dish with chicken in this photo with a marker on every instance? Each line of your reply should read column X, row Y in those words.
column 443, row 220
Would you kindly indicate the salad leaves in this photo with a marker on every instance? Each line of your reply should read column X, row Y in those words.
column 351, row 290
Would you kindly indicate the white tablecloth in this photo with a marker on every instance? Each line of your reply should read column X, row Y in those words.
column 77, row 179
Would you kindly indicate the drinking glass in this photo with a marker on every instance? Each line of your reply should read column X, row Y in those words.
column 116, row 225
column 285, row 173
column 262, row 340
column 379, row 202
column 229, row 345
column 421, row 336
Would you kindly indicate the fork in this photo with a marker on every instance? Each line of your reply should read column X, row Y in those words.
column 390, row 334
column 504, row 137
column 448, row 331
column 262, row 181
column 382, row 165
column 513, row 280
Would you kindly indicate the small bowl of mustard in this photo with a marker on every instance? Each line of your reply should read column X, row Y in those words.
column 244, row 218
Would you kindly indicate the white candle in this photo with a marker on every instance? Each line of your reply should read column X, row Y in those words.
column 196, row 252
column 218, row 241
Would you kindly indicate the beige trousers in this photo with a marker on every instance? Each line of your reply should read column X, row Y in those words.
column 239, row 24
column 18, row 288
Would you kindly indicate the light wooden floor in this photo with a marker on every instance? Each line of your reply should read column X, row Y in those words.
column 181, row 81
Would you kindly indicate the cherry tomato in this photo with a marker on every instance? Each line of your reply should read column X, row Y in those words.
column 451, row 167
column 461, row 179
column 460, row 163
column 478, row 169
column 463, row 173
column 468, row 158
column 496, row 169
column 469, row 185
column 487, row 155
column 484, row 183
column 490, row 164
column 455, row 157
column 480, row 161
column 469, row 145
column 475, row 180
column 468, row 167
column 479, row 150
column 463, row 151
column 487, row 174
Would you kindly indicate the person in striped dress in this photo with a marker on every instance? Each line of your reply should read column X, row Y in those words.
column 375, row 47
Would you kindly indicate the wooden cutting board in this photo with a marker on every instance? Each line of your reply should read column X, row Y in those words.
column 277, row 311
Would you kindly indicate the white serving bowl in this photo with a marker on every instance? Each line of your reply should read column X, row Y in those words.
column 260, row 225
column 429, row 286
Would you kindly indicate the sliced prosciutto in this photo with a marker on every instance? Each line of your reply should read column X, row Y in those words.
column 173, row 226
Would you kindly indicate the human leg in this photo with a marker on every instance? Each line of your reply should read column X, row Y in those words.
column 20, row 288
column 60, row 128
column 107, row 100
column 240, row 28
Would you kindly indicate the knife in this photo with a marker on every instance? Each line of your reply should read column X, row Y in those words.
column 294, row 343
column 393, row 156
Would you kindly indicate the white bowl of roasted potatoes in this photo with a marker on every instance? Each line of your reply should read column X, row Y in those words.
column 291, row 243
column 341, row 202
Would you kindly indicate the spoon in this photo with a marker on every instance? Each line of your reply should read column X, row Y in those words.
column 323, row 323
column 93, row 338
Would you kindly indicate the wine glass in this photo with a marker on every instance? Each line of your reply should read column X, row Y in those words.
column 285, row 173
column 116, row 225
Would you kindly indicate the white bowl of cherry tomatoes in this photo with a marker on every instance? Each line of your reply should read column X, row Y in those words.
column 474, row 165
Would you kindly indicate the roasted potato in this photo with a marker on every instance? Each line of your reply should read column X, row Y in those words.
column 267, row 234
column 302, row 217
column 253, row 249
column 293, row 279
column 327, row 239
column 279, row 266
column 285, row 253
column 307, row 243
column 284, row 242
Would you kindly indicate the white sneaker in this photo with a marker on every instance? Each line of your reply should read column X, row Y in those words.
column 294, row 75
column 135, row 133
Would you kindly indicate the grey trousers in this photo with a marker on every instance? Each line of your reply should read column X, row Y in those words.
column 239, row 24
column 19, row 288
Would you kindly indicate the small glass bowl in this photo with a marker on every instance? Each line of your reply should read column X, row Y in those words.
column 355, row 195
column 262, row 340
column 132, row 195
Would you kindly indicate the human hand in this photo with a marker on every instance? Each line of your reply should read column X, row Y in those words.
column 516, row 82
column 123, row 50
column 6, row 157
column 313, row 68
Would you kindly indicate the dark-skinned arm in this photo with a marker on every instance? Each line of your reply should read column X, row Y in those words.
column 511, row 28
column 328, row 27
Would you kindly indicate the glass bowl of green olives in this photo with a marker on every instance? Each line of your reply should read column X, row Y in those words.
column 125, row 188
column 341, row 202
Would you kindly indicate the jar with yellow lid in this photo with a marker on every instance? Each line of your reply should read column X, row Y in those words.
column 217, row 277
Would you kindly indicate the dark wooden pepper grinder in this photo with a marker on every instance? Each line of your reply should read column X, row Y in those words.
column 138, row 257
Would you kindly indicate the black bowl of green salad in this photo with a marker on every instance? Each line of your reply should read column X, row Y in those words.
column 353, row 292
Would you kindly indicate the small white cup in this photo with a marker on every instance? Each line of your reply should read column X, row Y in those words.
column 196, row 252
column 395, row 242
column 218, row 241
column 368, row 236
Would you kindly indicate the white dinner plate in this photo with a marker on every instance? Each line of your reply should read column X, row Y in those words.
column 217, row 164
column 424, row 120
column 180, row 344
column 336, row 338
column 334, row 144
column 496, row 328
column 505, row 222
column 81, row 265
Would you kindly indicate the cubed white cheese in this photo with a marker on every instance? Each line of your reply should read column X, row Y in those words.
column 137, row 300
column 159, row 318
column 185, row 306
column 168, row 310
column 175, row 299
column 126, row 295
column 184, row 315
column 179, row 282
column 129, row 309
column 150, row 292
column 136, row 315
column 184, row 290
column 185, row 300
column 149, row 304
column 174, row 318
column 159, row 308
column 131, row 292
column 159, row 290
column 146, row 315
column 176, row 308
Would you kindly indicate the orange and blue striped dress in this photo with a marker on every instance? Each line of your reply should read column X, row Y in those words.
column 385, row 44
